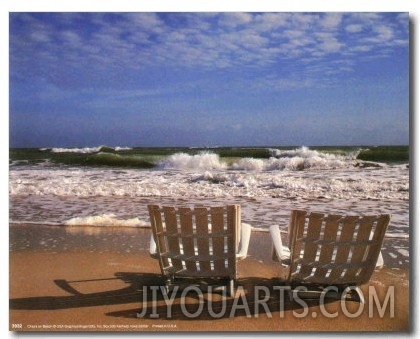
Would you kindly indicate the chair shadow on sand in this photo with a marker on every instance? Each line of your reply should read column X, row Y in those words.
column 245, row 303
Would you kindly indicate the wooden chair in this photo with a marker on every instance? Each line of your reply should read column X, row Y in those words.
column 199, row 243
column 330, row 250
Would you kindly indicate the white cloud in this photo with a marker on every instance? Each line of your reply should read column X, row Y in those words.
column 71, row 37
column 304, row 19
column 354, row 28
column 330, row 46
column 384, row 32
column 271, row 21
column 361, row 48
column 276, row 83
column 365, row 17
column 403, row 19
column 145, row 21
column 134, row 41
column 235, row 19
column 331, row 20
column 295, row 33
column 40, row 36
column 249, row 39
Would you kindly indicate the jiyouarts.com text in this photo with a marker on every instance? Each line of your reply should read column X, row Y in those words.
column 258, row 302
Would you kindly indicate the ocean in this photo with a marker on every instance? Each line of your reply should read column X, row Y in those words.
column 111, row 186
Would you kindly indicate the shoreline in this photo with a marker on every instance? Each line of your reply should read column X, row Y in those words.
column 70, row 280
column 395, row 249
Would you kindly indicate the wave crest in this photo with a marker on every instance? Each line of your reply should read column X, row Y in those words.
column 201, row 161
column 294, row 160
column 87, row 150
column 304, row 158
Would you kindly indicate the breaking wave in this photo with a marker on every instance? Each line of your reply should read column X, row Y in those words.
column 201, row 161
column 87, row 150
column 295, row 160
column 206, row 159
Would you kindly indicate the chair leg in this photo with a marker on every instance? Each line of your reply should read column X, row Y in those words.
column 231, row 288
column 169, row 284
column 355, row 293
column 350, row 293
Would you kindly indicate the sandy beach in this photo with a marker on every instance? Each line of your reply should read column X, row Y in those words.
column 102, row 279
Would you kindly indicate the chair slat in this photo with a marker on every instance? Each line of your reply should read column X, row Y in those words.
column 157, row 229
column 202, row 222
column 381, row 227
column 382, row 223
column 187, row 231
column 372, row 250
column 172, row 236
column 343, row 247
column 297, row 220
column 218, row 225
column 233, row 225
column 327, row 251
column 314, row 223
column 360, row 251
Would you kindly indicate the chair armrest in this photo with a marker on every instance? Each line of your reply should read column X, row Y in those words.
column 245, row 238
column 152, row 248
column 380, row 261
column 279, row 252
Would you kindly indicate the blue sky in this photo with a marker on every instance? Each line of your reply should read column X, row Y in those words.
column 207, row 79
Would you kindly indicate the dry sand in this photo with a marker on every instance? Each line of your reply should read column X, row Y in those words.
column 92, row 279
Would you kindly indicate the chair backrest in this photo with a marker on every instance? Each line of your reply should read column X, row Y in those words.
column 334, row 249
column 196, row 242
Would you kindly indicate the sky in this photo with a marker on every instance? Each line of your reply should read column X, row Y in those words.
column 208, row 79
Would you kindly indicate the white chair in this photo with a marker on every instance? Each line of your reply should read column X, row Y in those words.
column 330, row 250
column 198, row 243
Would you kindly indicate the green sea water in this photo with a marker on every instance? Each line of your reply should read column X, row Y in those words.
column 149, row 157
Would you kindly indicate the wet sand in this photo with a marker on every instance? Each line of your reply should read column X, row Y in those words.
column 102, row 279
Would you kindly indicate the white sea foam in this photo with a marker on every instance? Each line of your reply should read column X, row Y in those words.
column 76, row 150
column 84, row 150
column 201, row 161
column 105, row 220
column 294, row 160
column 304, row 158
column 403, row 252
column 305, row 152
column 390, row 182
column 250, row 164
column 118, row 148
